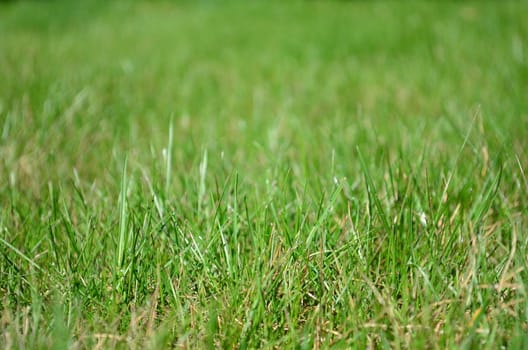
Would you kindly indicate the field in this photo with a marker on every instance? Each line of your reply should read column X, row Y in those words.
column 289, row 175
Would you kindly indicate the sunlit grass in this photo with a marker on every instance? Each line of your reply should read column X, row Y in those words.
column 300, row 175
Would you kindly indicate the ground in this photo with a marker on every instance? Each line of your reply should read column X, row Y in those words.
column 255, row 174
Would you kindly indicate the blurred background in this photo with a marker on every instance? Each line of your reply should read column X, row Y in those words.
column 82, row 82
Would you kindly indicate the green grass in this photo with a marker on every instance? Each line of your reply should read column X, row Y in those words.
column 263, row 175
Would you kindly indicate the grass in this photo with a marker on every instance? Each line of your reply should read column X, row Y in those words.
column 263, row 175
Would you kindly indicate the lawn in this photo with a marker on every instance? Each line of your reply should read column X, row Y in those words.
column 280, row 174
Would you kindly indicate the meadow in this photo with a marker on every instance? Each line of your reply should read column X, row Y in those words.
column 263, row 174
